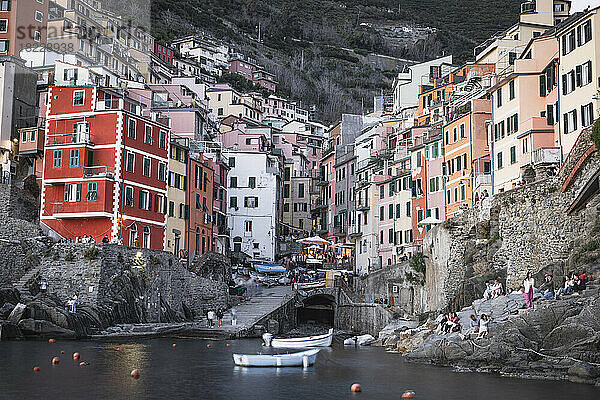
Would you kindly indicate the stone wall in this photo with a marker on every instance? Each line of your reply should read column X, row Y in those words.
column 157, row 283
column 525, row 229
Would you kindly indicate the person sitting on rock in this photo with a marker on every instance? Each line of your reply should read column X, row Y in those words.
column 452, row 324
column 567, row 286
column 496, row 289
column 487, row 293
column 483, row 326
column 473, row 327
column 578, row 283
column 442, row 326
column 547, row 288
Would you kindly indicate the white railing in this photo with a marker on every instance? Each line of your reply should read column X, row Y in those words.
column 484, row 179
column 546, row 155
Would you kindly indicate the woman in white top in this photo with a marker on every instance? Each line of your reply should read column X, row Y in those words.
column 483, row 326
column 528, row 284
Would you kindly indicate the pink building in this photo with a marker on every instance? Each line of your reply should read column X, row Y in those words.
column 253, row 73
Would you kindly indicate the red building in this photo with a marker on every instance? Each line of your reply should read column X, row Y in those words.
column 200, row 200
column 164, row 53
column 105, row 167
column 253, row 73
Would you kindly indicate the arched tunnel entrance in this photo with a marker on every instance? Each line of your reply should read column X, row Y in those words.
column 319, row 308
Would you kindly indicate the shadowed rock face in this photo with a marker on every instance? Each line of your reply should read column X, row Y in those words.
column 566, row 332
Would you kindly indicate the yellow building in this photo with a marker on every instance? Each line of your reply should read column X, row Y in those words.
column 177, row 211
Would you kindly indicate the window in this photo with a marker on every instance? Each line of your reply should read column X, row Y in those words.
column 513, row 155
column 550, row 114
column 5, row 5
column 232, row 162
column 525, row 146
column 78, row 97
column 570, row 121
column 92, row 191
column 500, row 166
column 568, row 42
column 148, row 135
column 220, row 111
column 511, row 90
column 130, row 165
column 381, row 191
column 4, row 46
column 586, row 73
column 454, row 135
column 499, row 98
column 74, row 159
column 251, row 202
column 57, row 159
column 448, row 197
column 39, row 16
column 129, row 202
column 72, row 192
column 162, row 171
column 233, row 181
column 233, row 202
column 145, row 201
column 391, row 188
column 584, row 33
column 3, row 25
column 463, row 194
column 391, row 236
column 381, row 213
column 131, row 128
column 301, row 190
column 462, row 131
column 147, row 166
column 248, row 226
column 587, row 114
column 434, row 183
column 408, row 208
column 162, row 140
column 391, row 211
column 171, row 209
column 146, row 238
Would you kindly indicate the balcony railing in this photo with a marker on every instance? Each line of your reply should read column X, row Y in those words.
column 546, row 155
column 528, row 7
column 70, row 138
column 101, row 171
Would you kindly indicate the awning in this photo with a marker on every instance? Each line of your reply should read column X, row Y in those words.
column 430, row 221
column 314, row 240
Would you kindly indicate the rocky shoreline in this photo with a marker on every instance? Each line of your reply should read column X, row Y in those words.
column 557, row 340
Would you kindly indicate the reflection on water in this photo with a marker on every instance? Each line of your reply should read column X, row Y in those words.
column 193, row 371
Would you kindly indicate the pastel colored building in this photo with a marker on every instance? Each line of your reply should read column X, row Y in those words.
column 578, row 75
column 22, row 25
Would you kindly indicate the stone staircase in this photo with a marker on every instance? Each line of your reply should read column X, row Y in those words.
column 23, row 284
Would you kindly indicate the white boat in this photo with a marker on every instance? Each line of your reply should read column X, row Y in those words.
column 301, row 359
column 301, row 342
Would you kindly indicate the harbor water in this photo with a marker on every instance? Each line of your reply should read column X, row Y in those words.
column 203, row 369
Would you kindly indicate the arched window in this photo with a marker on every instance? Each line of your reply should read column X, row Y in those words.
column 146, row 243
column 132, row 235
column 197, row 240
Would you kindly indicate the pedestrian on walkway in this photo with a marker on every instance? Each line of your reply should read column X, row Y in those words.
column 233, row 317
column 219, row 317
column 528, row 284
column 211, row 318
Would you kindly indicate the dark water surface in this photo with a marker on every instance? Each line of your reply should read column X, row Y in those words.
column 194, row 371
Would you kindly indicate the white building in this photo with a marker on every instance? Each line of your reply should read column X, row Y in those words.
column 406, row 85
column 253, row 203
column 282, row 108
column 212, row 55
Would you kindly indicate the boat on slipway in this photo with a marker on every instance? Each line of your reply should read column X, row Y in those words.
column 301, row 359
column 301, row 342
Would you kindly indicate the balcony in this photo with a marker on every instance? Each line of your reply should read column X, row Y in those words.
column 32, row 141
column 84, row 139
column 527, row 8
column 363, row 206
column 546, row 156
column 101, row 171
column 319, row 205
column 223, row 230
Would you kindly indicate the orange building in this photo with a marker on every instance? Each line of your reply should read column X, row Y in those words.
column 465, row 140
column 22, row 25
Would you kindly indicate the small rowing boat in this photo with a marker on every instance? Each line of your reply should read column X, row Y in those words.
column 301, row 359
column 301, row 342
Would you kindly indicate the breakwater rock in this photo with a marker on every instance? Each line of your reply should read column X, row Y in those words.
column 558, row 339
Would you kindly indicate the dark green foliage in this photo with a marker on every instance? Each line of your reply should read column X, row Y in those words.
column 69, row 256
column 596, row 134
column 417, row 275
column 494, row 238
column 91, row 253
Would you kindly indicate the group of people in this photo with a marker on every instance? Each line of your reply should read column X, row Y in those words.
column 478, row 327
column 212, row 315
column 71, row 305
column 493, row 289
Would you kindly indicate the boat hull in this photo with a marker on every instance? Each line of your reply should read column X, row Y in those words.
column 301, row 359
column 303, row 342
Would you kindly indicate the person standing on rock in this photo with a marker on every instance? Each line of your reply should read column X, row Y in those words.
column 219, row 317
column 528, row 284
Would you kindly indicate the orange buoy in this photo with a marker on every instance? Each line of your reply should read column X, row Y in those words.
column 174, row 345
column 62, row 352
column 135, row 374
column 75, row 356
column 55, row 361
column 119, row 349
column 355, row 388
column 409, row 394
column 51, row 340
column 227, row 345
column 83, row 364
column 36, row 369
